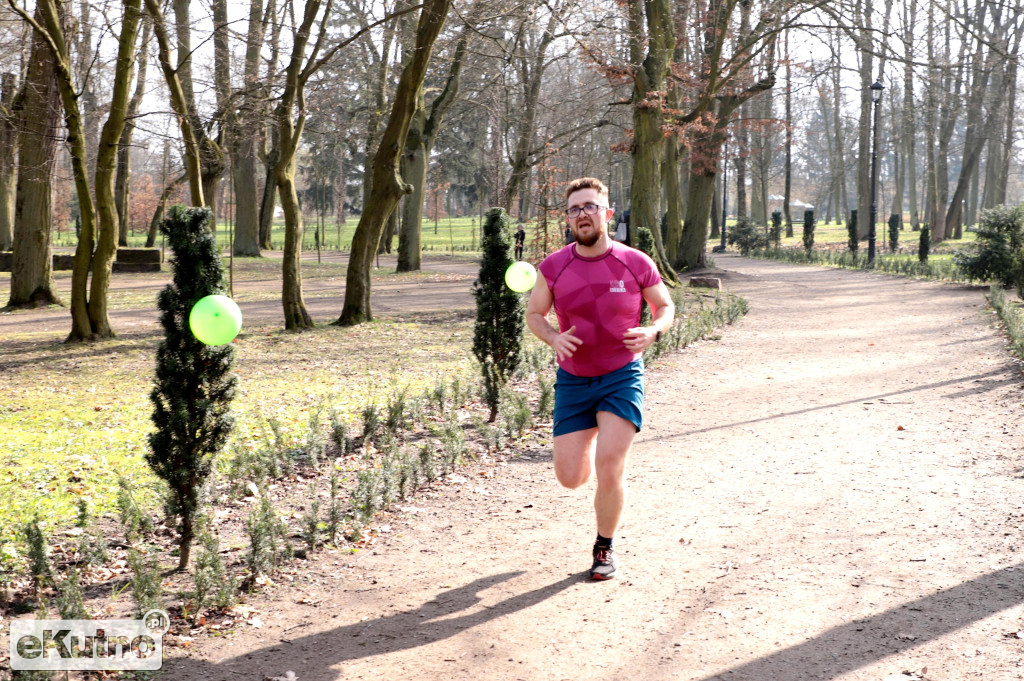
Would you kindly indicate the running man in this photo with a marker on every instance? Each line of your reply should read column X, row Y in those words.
column 597, row 286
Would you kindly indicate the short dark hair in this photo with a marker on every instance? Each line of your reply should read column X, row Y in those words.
column 586, row 183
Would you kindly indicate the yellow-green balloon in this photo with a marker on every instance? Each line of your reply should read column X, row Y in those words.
column 520, row 276
column 215, row 320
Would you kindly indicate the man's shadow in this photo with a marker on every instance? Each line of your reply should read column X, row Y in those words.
column 311, row 657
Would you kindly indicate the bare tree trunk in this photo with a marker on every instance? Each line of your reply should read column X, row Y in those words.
column 909, row 130
column 842, row 196
column 269, row 203
column 179, row 103
column 414, row 171
column 931, row 206
column 419, row 142
column 242, row 144
column 85, row 67
column 122, row 182
column 531, row 75
column 38, row 114
column 650, row 70
column 864, row 54
column 788, row 171
column 979, row 121
column 8, row 159
column 387, row 186
column 673, row 200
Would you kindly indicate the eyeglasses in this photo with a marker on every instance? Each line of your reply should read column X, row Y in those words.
column 588, row 208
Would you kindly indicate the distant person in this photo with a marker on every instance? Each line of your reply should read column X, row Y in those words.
column 569, row 236
column 597, row 288
column 622, row 228
column 520, row 241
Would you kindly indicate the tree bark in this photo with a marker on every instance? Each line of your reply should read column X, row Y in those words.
column 179, row 104
column 864, row 52
column 243, row 142
column 419, row 143
column 787, row 190
column 531, row 69
column 650, row 71
column 8, row 159
column 122, row 182
column 387, row 186
column 673, row 200
column 37, row 111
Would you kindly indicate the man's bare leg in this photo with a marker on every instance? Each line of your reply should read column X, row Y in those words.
column 573, row 454
column 614, row 441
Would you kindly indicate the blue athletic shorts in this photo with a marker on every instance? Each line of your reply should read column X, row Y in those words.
column 579, row 398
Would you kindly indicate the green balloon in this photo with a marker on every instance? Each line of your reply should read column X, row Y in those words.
column 520, row 276
column 215, row 320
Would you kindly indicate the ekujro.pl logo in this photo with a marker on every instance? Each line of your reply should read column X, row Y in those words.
column 89, row 645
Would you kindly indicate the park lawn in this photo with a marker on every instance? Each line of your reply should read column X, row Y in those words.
column 75, row 418
column 447, row 235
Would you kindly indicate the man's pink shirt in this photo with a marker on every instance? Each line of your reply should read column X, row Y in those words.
column 601, row 297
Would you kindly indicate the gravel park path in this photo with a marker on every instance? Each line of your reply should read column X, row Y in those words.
column 831, row 490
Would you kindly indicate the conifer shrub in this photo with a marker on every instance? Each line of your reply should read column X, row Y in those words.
column 808, row 230
column 775, row 232
column 852, row 241
column 924, row 244
column 998, row 253
column 500, row 311
column 895, row 225
column 213, row 586
column 193, row 386
column 747, row 236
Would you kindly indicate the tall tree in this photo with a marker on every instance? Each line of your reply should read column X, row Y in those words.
column 650, row 25
column 37, row 113
column 122, row 181
column 97, row 242
column 419, row 144
column 243, row 143
column 387, row 185
column 1003, row 46
column 722, row 81
column 8, row 158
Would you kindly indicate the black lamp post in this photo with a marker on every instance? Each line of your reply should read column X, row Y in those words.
column 876, row 99
column 725, row 189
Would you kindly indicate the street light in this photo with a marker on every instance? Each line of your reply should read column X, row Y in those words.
column 725, row 188
column 876, row 99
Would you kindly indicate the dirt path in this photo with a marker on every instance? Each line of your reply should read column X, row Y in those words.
column 831, row 491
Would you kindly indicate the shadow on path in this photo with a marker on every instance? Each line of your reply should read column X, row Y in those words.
column 985, row 386
column 861, row 642
column 311, row 657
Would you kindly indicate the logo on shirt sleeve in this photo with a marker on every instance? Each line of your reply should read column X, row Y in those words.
column 617, row 286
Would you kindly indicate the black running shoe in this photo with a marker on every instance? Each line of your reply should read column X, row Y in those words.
column 604, row 563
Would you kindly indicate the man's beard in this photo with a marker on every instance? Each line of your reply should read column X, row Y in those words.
column 588, row 241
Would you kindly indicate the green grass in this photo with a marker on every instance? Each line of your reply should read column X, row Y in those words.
column 447, row 235
column 76, row 417
column 1011, row 314
column 830, row 248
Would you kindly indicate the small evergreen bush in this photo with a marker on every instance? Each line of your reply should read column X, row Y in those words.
column 852, row 241
column 747, row 236
column 775, row 232
column 895, row 224
column 998, row 253
column 808, row 230
column 924, row 244
column 193, row 387
column 500, row 311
